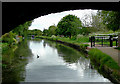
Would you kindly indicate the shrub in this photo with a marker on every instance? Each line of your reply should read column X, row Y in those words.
column 8, row 38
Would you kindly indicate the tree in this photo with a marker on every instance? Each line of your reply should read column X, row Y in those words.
column 110, row 19
column 97, row 23
column 22, row 30
column 84, row 31
column 36, row 32
column 45, row 32
column 9, row 38
column 52, row 30
column 69, row 25
column 86, row 19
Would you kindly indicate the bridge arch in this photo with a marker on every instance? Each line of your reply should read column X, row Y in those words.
column 16, row 13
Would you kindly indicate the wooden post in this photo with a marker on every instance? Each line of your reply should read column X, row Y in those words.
column 111, row 41
column 116, row 41
column 94, row 40
column 102, row 41
column 119, row 40
column 119, row 51
column 91, row 41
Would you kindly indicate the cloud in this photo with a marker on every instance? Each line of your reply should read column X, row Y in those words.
column 53, row 18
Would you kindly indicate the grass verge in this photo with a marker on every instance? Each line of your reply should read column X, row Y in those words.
column 105, row 63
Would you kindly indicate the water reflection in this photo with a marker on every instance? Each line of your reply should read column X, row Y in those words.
column 15, row 69
column 58, row 63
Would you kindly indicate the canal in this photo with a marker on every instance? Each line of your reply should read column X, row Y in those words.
column 47, row 61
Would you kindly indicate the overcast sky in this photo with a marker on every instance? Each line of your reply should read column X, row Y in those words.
column 45, row 21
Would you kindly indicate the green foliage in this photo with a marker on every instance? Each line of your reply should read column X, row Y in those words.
column 52, row 30
column 12, row 65
column 68, row 26
column 70, row 55
column 110, row 19
column 9, row 38
column 21, row 30
column 35, row 32
column 103, row 59
column 82, row 47
column 84, row 30
column 4, row 46
column 82, row 39
column 97, row 24
column 45, row 32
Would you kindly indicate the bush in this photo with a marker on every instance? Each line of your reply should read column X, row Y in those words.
column 53, row 36
column 82, row 39
column 8, row 38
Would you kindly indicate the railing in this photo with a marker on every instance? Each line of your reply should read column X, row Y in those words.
column 95, row 40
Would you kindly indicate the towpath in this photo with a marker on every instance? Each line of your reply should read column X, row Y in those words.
column 111, row 51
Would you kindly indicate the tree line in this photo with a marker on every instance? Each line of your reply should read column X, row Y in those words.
column 71, row 25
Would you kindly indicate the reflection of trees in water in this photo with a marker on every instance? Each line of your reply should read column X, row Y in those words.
column 72, row 56
column 15, row 70
column 69, row 55
column 44, row 44
column 85, row 63
column 36, row 40
column 50, row 43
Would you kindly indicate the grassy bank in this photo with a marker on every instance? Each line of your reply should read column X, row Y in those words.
column 105, row 63
column 70, row 42
column 5, row 44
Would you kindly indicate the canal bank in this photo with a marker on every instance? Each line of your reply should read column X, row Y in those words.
column 79, row 47
column 102, row 63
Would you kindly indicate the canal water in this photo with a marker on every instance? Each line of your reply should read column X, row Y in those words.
column 47, row 61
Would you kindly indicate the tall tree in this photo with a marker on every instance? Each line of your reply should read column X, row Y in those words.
column 36, row 32
column 22, row 29
column 97, row 23
column 110, row 19
column 52, row 30
column 69, row 25
column 45, row 32
column 86, row 19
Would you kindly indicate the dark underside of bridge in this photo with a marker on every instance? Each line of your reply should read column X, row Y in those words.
column 16, row 13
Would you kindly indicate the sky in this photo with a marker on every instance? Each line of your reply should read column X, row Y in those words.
column 45, row 21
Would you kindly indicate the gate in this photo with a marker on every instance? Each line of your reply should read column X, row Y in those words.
column 104, row 40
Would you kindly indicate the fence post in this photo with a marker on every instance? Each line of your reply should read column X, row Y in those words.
column 94, row 41
column 111, row 41
column 116, row 41
column 102, row 41
column 91, row 41
column 119, row 40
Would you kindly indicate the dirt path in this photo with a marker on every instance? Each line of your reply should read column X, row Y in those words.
column 114, row 53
